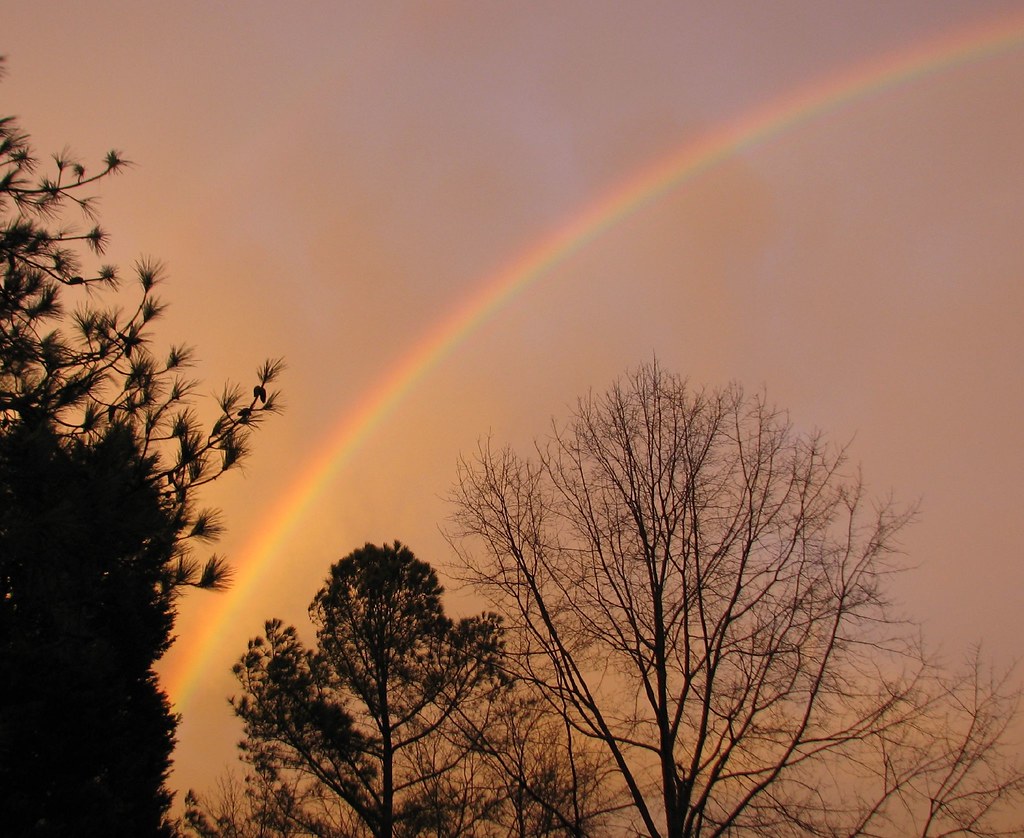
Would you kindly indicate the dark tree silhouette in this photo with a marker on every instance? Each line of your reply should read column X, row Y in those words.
column 551, row 781
column 700, row 588
column 86, row 733
column 238, row 808
column 102, row 457
column 363, row 734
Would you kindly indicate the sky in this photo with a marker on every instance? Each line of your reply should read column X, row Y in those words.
column 453, row 218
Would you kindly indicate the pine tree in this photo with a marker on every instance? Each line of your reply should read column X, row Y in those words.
column 361, row 734
column 102, row 456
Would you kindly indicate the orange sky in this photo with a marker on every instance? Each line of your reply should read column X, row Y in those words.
column 328, row 181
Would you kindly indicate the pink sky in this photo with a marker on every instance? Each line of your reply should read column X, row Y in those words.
column 327, row 182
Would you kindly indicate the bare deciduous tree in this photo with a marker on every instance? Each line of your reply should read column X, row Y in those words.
column 701, row 587
column 551, row 781
column 948, row 773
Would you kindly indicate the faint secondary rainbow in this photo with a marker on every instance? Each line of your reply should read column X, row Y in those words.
column 692, row 159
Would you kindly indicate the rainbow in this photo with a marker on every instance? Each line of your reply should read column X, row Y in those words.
column 495, row 291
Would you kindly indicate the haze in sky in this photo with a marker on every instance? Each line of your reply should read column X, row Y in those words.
column 340, row 184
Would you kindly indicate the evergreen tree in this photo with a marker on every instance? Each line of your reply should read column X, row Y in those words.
column 101, row 459
column 358, row 736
